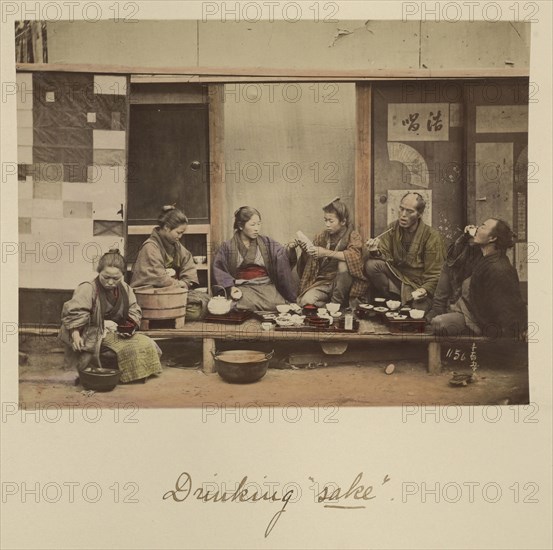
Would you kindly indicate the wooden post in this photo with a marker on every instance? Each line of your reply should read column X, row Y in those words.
column 208, row 346
column 363, row 152
column 217, row 191
column 434, row 358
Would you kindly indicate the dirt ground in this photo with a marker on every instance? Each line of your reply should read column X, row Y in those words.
column 327, row 381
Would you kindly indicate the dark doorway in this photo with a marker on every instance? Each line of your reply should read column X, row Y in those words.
column 168, row 161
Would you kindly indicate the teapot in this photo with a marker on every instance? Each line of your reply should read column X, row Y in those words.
column 219, row 305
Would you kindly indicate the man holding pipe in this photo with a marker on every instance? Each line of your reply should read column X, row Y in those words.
column 405, row 261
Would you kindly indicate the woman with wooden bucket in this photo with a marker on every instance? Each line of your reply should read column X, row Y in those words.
column 99, row 325
column 163, row 262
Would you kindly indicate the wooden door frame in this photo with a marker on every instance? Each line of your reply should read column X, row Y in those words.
column 364, row 185
column 217, row 188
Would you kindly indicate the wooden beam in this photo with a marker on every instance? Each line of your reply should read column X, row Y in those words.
column 191, row 229
column 363, row 146
column 217, row 191
column 229, row 74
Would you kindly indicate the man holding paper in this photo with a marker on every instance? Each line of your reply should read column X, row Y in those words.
column 405, row 261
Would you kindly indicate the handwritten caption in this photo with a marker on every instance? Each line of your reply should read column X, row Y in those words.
column 356, row 495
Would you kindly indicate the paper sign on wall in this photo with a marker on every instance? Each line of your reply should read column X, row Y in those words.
column 418, row 122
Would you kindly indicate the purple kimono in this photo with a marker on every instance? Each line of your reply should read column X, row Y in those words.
column 261, row 294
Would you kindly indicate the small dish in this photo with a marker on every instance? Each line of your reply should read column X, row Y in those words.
column 416, row 313
column 337, row 314
column 379, row 300
column 381, row 309
column 393, row 304
column 284, row 308
column 333, row 307
column 284, row 322
column 401, row 317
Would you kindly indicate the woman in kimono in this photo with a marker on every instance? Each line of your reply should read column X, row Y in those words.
column 163, row 261
column 90, row 322
column 331, row 269
column 253, row 268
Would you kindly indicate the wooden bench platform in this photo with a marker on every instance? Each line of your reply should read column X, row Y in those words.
column 250, row 330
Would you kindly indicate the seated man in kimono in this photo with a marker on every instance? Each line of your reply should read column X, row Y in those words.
column 405, row 263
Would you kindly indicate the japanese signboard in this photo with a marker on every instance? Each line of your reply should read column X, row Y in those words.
column 418, row 122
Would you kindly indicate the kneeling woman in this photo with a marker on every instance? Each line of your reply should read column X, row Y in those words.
column 253, row 267
column 90, row 320
column 163, row 261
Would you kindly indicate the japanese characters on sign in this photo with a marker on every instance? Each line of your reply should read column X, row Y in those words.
column 418, row 122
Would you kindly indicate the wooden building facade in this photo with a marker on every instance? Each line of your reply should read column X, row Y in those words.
column 115, row 121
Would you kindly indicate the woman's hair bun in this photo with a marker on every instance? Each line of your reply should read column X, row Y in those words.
column 114, row 250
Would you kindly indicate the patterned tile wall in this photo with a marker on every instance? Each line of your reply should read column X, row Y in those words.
column 72, row 163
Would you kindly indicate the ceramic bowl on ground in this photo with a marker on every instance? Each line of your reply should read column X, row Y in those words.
column 379, row 301
column 381, row 309
column 199, row 259
column 333, row 307
column 283, row 308
column 366, row 306
column 322, row 312
column 99, row 379
column 393, row 304
column 416, row 313
column 405, row 309
column 401, row 317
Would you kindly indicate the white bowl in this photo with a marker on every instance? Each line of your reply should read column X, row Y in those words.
column 283, row 308
column 333, row 307
column 416, row 313
column 393, row 304
column 380, row 300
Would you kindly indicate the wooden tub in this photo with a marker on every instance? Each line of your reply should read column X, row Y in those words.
column 161, row 304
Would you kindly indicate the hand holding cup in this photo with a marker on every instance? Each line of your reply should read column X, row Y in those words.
column 373, row 244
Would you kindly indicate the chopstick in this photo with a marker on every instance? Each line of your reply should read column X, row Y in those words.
column 387, row 231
